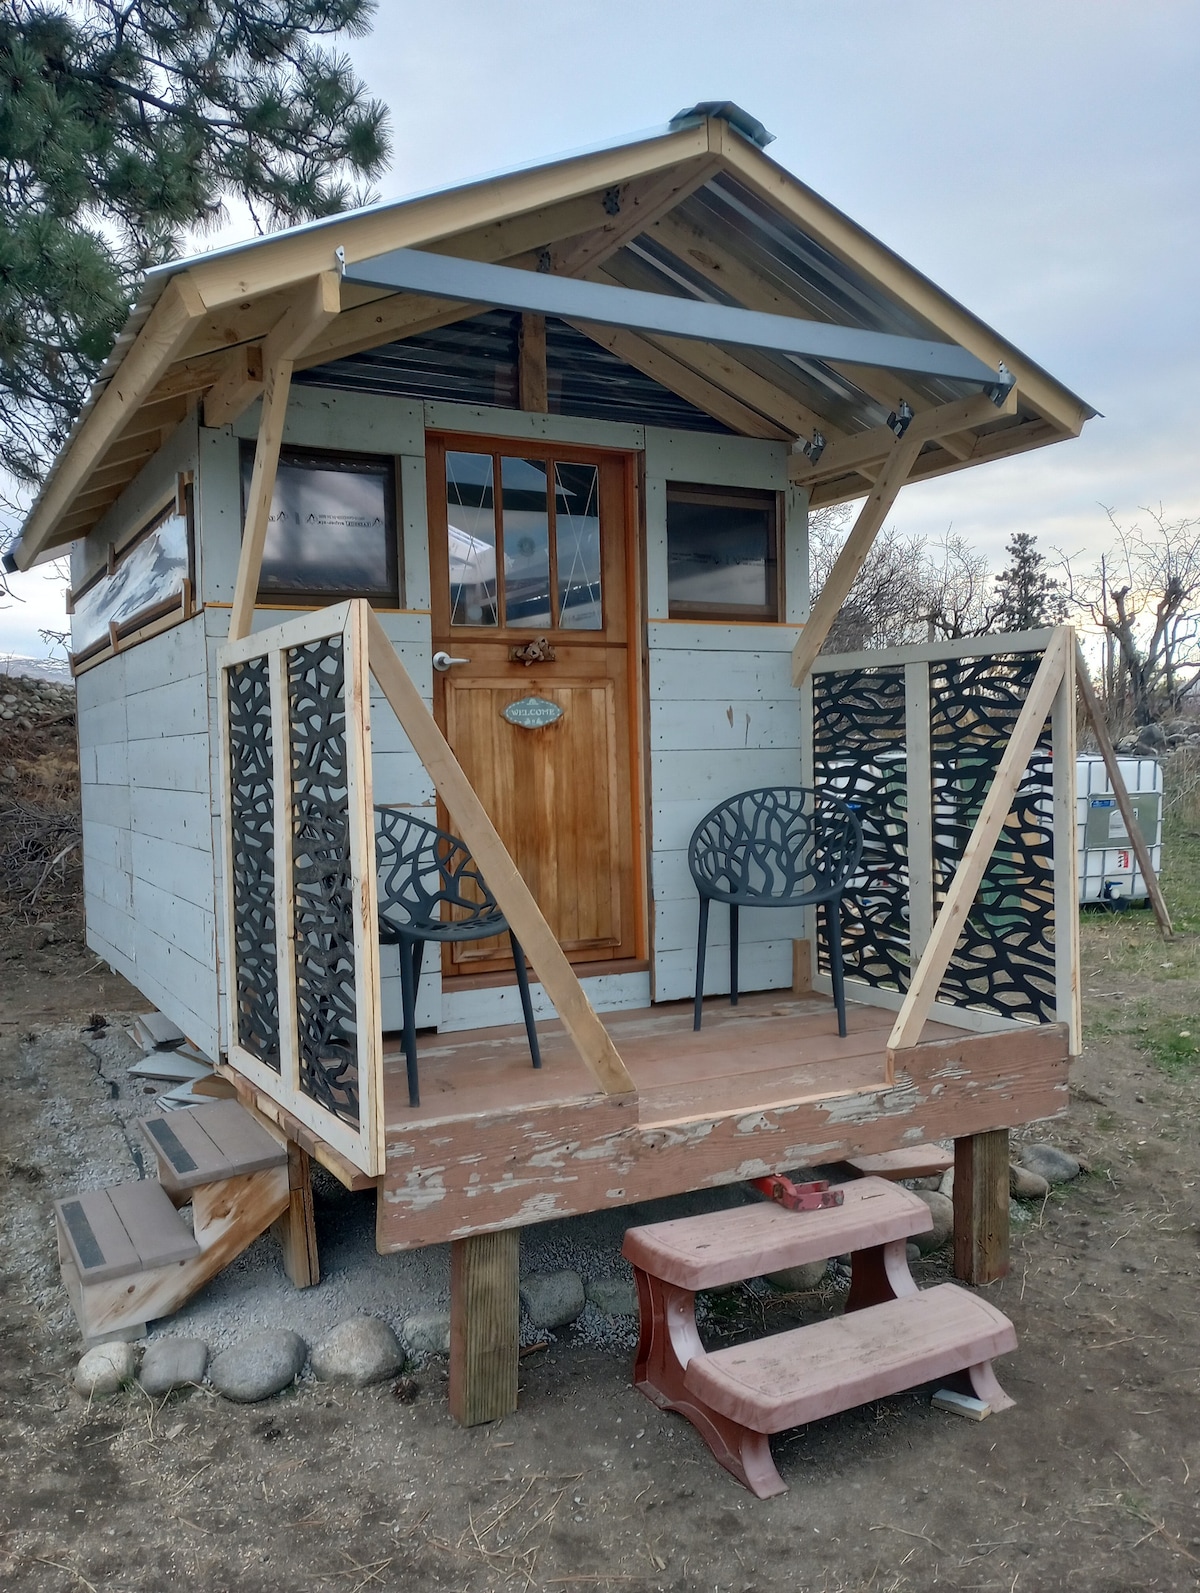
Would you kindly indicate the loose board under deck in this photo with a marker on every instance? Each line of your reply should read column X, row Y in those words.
column 762, row 1088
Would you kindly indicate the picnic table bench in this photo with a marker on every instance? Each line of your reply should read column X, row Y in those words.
column 891, row 1337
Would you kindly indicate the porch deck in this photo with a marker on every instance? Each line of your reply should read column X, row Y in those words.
column 764, row 1087
column 771, row 1048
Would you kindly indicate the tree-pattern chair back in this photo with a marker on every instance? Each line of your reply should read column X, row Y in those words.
column 776, row 845
column 423, row 871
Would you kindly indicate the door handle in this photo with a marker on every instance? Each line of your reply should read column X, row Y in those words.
column 442, row 662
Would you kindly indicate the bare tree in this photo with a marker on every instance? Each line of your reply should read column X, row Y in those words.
column 1143, row 597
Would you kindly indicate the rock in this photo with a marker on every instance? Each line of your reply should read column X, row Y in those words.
column 913, row 1252
column 261, row 1365
column 801, row 1279
column 44, row 935
column 427, row 1333
column 946, row 1187
column 105, row 1370
column 941, row 1208
column 169, row 1364
column 552, row 1299
column 929, row 1181
column 1025, row 1184
column 360, row 1351
column 1055, row 1166
column 1151, row 738
column 613, row 1296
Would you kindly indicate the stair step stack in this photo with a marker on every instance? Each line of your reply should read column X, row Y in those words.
column 126, row 1254
column 891, row 1337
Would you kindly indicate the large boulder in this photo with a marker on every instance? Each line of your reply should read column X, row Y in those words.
column 359, row 1351
column 1054, row 1165
column 613, row 1296
column 261, row 1365
column 799, row 1280
column 552, row 1299
column 427, row 1332
column 1025, row 1184
column 941, row 1209
column 105, row 1369
column 171, row 1364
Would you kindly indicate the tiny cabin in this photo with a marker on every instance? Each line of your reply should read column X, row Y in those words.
column 490, row 507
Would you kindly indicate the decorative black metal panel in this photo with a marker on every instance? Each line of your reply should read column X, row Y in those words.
column 859, row 754
column 322, row 878
column 1004, row 961
column 252, row 827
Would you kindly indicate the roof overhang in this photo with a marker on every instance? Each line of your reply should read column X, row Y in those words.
column 771, row 310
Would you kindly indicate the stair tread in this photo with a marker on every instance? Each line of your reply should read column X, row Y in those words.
column 204, row 1144
column 913, row 1161
column 125, row 1228
column 721, row 1247
column 811, row 1372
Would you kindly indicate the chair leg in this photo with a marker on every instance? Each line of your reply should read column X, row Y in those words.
column 701, row 948
column 526, row 999
column 408, row 993
column 733, row 956
column 833, row 926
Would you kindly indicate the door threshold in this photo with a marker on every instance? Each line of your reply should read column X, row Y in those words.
column 500, row 977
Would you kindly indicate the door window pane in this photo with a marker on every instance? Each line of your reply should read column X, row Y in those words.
column 471, row 528
column 577, row 542
column 526, row 544
column 721, row 558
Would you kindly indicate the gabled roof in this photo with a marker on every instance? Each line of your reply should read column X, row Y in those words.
column 694, row 210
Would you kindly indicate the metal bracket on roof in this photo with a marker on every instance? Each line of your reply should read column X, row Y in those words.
column 339, row 254
column 448, row 277
column 1001, row 389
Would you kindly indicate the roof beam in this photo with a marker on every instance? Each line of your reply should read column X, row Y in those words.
column 164, row 333
column 652, row 361
column 417, row 271
column 857, row 248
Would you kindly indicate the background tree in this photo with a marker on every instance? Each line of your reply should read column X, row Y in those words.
column 1027, row 595
column 1143, row 596
column 124, row 124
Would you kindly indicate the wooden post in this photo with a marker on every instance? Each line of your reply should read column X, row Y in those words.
column 1109, row 753
column 853, row 555
column 533, row 391
column 981, row 1207
column 296, row 1229
column 484, row 1315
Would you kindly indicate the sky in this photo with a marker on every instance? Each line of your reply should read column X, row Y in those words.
column 1039, row 161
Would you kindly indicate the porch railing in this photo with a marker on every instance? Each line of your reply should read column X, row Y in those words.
column 960, row 759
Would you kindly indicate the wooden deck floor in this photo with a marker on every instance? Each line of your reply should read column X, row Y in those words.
column 770, row 1049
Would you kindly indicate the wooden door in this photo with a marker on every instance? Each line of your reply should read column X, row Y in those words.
column 530, row 562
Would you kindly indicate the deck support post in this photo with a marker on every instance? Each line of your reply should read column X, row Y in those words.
column 296, row 1229
column 981, row 1207
column 484, row 1317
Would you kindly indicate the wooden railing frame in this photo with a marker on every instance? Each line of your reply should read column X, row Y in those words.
column 933, row 939
column 364, row 1148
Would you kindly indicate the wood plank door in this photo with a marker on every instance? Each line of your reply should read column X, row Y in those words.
column 530, row 559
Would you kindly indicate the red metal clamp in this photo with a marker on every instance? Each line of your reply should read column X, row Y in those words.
column 814, row 1196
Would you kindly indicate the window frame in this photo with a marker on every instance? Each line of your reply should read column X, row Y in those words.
column 769, row 613
column 155, row 617
column 326, row 458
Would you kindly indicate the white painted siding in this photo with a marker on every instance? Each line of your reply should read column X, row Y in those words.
column 147, row 827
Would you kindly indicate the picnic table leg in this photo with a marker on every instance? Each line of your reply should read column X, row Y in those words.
column 981, row 1207
column 484, row 1326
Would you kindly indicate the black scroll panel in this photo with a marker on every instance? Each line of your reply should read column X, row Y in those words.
column 322, row 878
column 859, row 755
column 252, row 833
column 1004, row 961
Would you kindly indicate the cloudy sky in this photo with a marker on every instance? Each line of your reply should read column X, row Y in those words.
column 1040, row 161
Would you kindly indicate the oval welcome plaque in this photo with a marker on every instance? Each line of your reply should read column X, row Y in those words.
column 531, row 713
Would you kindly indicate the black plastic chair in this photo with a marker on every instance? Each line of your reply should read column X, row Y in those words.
column 422, row 871
column 784, row 846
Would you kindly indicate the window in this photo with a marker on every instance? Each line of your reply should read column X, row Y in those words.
column 527, row 556
column 148, row 583
column 332, row 529
column 722, row 554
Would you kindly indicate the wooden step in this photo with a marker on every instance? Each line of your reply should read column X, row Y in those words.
column 205, row 1144
column 914, row 1161
column 111, row 1233
column 722, row 1247
column 800, row 1376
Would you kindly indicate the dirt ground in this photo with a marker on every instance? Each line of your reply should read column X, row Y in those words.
column 1089, row 1484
